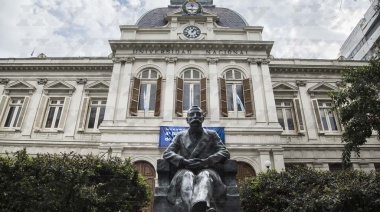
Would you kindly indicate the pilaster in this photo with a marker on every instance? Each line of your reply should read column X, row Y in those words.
column 278, row 159
column 109, row 115
column 169, row 89
column 310, row 125
column 264, row 155
column 214, row 109
column 124, row 90
column 268, row 92
column 258, row 91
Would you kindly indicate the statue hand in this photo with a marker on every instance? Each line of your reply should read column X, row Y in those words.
column 188, row 162
column 200, row 163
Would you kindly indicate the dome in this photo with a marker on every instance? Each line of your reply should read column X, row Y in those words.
column 227, row 17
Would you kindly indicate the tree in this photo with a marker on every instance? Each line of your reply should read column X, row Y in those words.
column 358, row 105
column 305, row 189
column 70, row 182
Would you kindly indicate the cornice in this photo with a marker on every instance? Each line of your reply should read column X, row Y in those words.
column 55, row 67
column 306, row 69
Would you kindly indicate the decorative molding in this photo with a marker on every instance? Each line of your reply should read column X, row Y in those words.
column 254, row 61
column 265, row 61
column 171, row 59
column 4, row 81
column 42, row 81
column 19, row 87
column 119, row 60
column 283, row 88
column 301, row 83
column 59, row 86
column 97, row 87
column 321, row 88
column 130, row 60
column 212, row 60
column 81, row 81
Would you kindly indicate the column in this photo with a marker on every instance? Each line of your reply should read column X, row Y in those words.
column 214, row 109
column 169, row 90
column 31, row 112
column 74, row 108
column 310, row 125
column 112, row 93
column 268, row 92
column 264, row 155
column 278, row 159
column 258, row 91
column 124, row 90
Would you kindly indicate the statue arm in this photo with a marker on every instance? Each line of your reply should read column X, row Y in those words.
column 221, row 152
column 170, row 154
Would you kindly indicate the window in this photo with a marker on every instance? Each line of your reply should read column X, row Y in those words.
column 235, row 94
column 327, row 119
column 335, row 167
column 377, row 167
column 146, row 94
column 191, row 90
column 54, row 113
column 96, row 114
column 14, row 109
column 285, row 115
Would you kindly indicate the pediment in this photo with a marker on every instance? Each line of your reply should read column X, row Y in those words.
column 322, row 87
column 59, row 86
column 284, row 87
column 97, row 87
column 19, row 86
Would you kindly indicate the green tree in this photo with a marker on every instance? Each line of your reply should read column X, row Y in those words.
column 358, row 105
column 305, row 189
column 70, row 182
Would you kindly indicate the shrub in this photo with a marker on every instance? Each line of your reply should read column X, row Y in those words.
column 70, row 182
column 305, row 189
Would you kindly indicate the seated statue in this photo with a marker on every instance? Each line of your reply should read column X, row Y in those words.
column 196, row 186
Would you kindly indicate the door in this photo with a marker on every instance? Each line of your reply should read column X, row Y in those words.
column 148, row 172
column 244, row 170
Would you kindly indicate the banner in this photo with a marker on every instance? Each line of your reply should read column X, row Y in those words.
column 167, row 134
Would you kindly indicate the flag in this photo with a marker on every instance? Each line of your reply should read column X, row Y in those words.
column 146, row 106
column 238, row 100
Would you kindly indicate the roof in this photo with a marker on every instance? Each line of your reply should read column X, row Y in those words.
column 227, row 17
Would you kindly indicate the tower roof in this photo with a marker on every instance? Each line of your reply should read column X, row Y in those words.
column 180, row 2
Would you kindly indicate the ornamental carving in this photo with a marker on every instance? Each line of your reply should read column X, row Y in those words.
column 42, row 81
column 301, row 83
column 171, row 59
column 81, row 81
column 212, row 60
column 4, row 81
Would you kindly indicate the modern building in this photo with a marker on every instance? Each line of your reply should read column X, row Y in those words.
column 129, row 103
column 361, row 44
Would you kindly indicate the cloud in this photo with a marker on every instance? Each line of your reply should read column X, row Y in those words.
column 72, row 28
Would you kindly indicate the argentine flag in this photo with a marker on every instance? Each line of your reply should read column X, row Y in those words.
column 146, row 106
column 238, row 100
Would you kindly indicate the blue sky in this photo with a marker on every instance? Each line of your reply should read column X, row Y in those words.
column 72, row 28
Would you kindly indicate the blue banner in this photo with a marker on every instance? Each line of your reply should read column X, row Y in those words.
column 167, row 134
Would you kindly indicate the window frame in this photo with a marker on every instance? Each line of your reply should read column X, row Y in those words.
column 283, row 108
column 97, row 113
column 234, row 82
column 47, row 111
column 148, row 82
column 192, row 81
column 327, row 118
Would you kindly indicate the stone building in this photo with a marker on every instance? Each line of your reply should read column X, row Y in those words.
column 172, row 58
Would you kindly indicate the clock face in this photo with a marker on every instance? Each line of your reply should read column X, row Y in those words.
column 192, row 8
column 192, row 32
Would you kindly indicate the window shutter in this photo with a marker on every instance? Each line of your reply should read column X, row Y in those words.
column 247, row 98
column 3, row 106
column 65, row 112
column 41, row 112
column 135, row 97
column 157, row 105
column 317, row 115
column 22, row 113
column 204, row 95
column 299, row 119
column 83, row 114
column 223, row 97
column 179, row 100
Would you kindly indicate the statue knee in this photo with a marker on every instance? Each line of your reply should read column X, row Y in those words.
column 204, row 173
column 188, row 175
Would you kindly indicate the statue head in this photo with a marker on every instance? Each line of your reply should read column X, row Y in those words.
column 195, row 117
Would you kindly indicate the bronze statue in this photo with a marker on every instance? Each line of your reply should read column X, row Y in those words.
column 196, row 187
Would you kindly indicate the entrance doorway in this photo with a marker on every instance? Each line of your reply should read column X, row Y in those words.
column 148, row 172
column 244, row 170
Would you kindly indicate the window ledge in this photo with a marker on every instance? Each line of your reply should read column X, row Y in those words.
column 330, row 134
column 91, row 132
column 47, row 131
column 8, row 130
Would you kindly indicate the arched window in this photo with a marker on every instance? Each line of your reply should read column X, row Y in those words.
column 191, row 90
column 235, row 94
column 146, row 94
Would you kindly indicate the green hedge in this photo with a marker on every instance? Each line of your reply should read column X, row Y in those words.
column 70, row 182
column 305, row 189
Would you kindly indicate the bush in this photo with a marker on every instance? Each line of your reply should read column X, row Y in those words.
column 70, row 182
column 305, row 189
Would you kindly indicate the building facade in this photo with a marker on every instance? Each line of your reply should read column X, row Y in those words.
column 361, row 44
column 174, row 57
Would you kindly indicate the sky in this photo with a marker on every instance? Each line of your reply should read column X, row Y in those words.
column 309, row 29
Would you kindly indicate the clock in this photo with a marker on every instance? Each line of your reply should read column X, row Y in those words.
column 192, row 32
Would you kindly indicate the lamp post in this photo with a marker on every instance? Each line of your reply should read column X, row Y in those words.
column 267, row 164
